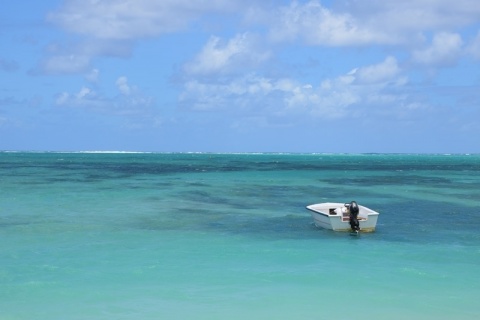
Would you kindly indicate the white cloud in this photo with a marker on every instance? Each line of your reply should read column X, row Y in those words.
column 122, row 85
column 239, row 92
column 71, row 58
column 132, row 19
column 240, row 51
column 318, row 25
column 84, row 93
column 414, row 15
column 130, row 103
column 444, row 51
column 382, row 72
column 85, row 97
column 257, row 95
column 366, row 89
column 331, row 99
column 366, row 22
column 345, row 23
column 111, row 27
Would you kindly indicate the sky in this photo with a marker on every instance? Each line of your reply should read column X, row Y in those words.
column 345, row 76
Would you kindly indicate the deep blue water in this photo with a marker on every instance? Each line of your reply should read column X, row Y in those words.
column 215, row 236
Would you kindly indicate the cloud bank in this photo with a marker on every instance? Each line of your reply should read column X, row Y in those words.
column 237, row 71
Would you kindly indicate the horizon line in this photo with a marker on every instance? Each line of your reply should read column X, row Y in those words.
column 234, row 152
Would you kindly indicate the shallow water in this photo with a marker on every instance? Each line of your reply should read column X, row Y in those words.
column 214, row 236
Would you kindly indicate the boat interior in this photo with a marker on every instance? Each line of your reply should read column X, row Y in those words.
column 345, row 215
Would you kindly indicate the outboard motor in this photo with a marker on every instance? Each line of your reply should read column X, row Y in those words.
column 354, row 224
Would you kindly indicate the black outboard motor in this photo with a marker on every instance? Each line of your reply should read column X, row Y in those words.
column 354, row 224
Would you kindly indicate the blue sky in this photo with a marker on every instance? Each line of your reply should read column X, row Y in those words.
column 240, row 76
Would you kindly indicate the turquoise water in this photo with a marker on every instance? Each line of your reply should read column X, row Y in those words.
column 227, row 236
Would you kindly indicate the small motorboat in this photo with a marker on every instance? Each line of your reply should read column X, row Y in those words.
column 344, row 216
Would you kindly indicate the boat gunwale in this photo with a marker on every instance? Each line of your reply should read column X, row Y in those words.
column 335, row 205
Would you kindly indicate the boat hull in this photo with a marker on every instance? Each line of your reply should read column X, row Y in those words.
column 329, row 215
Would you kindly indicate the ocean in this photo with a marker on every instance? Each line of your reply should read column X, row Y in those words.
column 227, row 236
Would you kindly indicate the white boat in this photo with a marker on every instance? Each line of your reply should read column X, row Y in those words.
column 336, row 216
